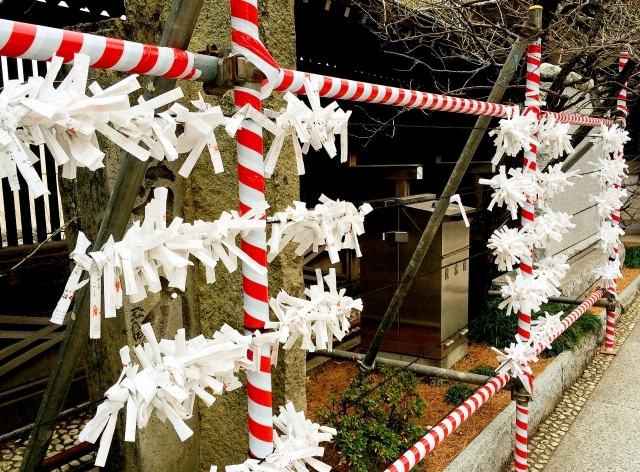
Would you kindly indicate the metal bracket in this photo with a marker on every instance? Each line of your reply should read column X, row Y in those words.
column 519, row 393
column 233, row 70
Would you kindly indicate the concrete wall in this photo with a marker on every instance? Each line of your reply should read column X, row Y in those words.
column 220, row 431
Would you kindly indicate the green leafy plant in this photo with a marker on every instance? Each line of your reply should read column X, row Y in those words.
column 632, row 257
column 484, row 370
column 457, row 394
column 495, row 328
column 373, row 418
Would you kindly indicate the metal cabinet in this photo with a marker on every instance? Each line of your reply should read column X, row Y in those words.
column 433, row 318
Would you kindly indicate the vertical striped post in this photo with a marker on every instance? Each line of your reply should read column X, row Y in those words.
column 622, row 112
column 244, row 20
column 527, row 218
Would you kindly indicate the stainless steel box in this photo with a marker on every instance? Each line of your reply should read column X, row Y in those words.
column 433, row 318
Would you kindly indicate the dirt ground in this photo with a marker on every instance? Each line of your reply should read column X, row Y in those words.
column 337, row 375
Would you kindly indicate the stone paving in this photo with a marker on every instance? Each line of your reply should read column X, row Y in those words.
column 64, row 437
column 552, row 431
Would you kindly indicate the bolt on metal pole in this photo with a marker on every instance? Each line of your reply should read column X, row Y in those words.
column 506, row 73
column 177, row 34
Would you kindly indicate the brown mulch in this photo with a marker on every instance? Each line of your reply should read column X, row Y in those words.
column 336, row 377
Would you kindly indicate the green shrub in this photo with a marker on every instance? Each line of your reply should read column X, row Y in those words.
column 373, row 418
column 457, row 394
column 484, row 370
column 493, row 327
column 632, row 257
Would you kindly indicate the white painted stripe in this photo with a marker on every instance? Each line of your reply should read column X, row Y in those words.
column 259, row 448
column 131, row 56
column 258, row 411
column 252, row 275
column 256, row 306
column 93, row 46
column 6, row 28
column 260, row 380
column 250, row 196
column 257, row 239
column 163, row 63
column 245, row 26
column 45, row 44
column 421, row 449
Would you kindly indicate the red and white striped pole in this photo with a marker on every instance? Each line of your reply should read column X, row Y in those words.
column 570, row 319
column 244, row 22
column 527, row 219
column 615, row 216
column 40, row 43
column 442, row 430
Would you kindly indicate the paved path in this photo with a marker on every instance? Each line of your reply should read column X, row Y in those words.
column 596, row 425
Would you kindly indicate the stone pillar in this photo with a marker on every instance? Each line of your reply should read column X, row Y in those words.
column 220, row 432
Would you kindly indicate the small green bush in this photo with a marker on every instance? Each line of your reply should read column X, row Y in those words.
column 457, row 394
column 632, row 257
column 493, row 327
column 484, row 370
column 373, row 418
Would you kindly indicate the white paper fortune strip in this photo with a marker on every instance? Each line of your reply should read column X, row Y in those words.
column 610, row 171
column 609, row 272
column 546, row 328
column 325, row 314
column 509, row 245
column 198, row 133
column 152, row 249
column 609, row 200
column 514, row 134
column 334, row 224
column 511, row 191
column 523, row 294
column 555, row 136
column 515, row 361
column 314, row 127
column 612, row 138
column 296, row 448
column 171, row 374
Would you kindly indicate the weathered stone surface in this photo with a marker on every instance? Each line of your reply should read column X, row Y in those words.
column 220, row 431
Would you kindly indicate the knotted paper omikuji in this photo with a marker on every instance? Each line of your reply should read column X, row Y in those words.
column 514, row 189
column 296, row 445
column 326, row 314
column 151, row 249
column 167, row 380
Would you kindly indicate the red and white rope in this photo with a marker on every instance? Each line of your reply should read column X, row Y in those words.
column 41, row 43
column 615, row 216
column 244, row 24
column 570, row 319
column 438, row 433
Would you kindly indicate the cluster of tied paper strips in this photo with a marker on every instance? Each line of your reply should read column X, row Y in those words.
column 526, row 293
column 151, row 249
column 169, row 377
column 172, row 373
column 514, row 189
column 611, row 172
column 66, row 120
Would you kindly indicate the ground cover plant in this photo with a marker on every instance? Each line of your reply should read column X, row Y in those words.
column 632, row 257
column 373, row 417
column 493, row 327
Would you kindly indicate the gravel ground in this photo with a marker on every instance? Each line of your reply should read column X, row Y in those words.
column 552, row 430
column 65, row 437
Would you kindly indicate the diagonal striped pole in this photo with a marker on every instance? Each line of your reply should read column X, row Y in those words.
column 527, row 219
column 244, row 22
column 622, row 112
